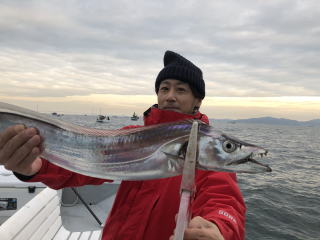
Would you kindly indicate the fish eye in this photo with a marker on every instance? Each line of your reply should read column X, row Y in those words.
column 229, row 146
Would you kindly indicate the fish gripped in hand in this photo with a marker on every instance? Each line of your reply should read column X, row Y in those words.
column 147, row 152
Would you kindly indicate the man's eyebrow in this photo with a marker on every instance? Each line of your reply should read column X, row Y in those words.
column 182, row 83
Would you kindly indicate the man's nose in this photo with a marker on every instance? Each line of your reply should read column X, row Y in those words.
column 171, row 96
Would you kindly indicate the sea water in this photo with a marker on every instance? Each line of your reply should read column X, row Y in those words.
column 283, row 204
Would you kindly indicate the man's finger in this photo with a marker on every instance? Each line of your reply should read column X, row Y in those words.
column 16, row 142
column 26, row 149
column 202, row 234
column 31, row 163
column 193, row 233
column 198, row 222
column 9, row 133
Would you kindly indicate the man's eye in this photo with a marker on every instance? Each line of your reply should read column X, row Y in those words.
column 181, row 90
column 164, row 89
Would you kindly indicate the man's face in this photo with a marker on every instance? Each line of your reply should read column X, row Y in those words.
column 175, row 95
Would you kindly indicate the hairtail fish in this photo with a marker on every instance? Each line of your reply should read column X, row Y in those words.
column 141, row 153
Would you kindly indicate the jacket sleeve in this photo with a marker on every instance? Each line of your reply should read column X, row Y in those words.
column 218, row 199
column 56, row 177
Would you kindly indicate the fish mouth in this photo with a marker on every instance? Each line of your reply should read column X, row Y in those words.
column 251, row 160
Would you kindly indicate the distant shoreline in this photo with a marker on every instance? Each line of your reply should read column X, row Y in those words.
column 271, row 120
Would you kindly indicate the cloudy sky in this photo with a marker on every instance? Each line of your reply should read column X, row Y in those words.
column 259, row 58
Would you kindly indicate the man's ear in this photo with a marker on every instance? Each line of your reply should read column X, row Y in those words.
column 198, row 103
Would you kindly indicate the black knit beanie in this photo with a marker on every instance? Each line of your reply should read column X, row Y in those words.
column 179, row 68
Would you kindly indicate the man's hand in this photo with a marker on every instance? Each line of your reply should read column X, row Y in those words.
column 19, row 150
column 201, row 229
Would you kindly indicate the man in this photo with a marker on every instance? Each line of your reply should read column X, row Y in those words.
column 146, row 209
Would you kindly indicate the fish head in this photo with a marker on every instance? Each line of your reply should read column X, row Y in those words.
column 220, row 152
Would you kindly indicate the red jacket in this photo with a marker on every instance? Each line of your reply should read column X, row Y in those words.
column 146, row 209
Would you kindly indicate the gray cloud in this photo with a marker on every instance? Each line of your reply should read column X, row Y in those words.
column 247, row 48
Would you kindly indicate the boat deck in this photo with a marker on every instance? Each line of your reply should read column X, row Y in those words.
column 78, row 223
column 58, row 215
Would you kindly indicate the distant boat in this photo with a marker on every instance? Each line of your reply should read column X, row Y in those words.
column 101, row 118
column 134, row 117
column 56, row 114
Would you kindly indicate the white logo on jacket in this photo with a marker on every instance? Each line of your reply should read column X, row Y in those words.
column 226, row 214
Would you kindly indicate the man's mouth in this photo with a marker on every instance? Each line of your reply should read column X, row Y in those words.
column 175, row 109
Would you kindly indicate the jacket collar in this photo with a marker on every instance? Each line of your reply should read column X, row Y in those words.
column 154, row 115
